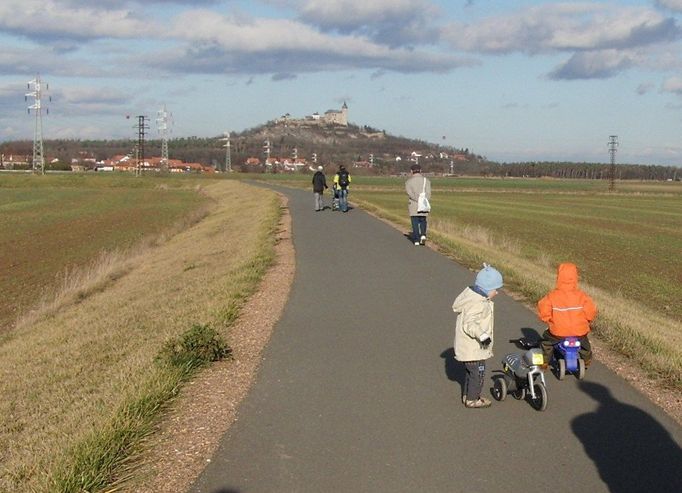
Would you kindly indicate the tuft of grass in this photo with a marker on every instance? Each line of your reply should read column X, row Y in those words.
column 196, row 348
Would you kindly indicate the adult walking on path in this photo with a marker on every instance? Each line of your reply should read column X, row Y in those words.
column 415, row 185
column 359, row 389
column 319, row 186
column 342, row 181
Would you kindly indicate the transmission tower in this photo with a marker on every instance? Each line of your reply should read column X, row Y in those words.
column 228, row 156
column 139, row 151
column 266, row 151
column 35, row 88
column 163, row 122
column 613, row 144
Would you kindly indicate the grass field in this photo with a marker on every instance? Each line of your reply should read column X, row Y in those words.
column 627, row 245
column 50, row 225
column 83, row 382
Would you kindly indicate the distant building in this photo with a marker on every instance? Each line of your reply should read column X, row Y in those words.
column 330, row 117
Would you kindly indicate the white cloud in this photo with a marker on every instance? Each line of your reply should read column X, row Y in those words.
column 593, row 65
column 645, row 88
column 230, row 44
column 394, row 22
column 673, row 85
column 670, row 4
column 46, row 19
column 563, row 27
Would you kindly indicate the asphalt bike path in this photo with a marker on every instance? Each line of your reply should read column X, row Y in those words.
column 359, row 390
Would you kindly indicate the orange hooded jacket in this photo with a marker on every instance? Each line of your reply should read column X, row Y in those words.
column 567, row 310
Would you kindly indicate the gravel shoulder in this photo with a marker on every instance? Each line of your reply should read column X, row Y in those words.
column 190, row 430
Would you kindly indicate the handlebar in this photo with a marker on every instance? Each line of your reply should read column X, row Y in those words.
column 525, row 342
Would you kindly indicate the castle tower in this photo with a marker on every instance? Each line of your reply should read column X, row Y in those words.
column 344, row 114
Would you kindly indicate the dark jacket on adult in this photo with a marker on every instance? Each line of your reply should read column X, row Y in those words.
column 319, row 182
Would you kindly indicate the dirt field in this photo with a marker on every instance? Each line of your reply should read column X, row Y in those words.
column 47, row 231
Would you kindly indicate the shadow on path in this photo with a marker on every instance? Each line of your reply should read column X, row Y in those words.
column 454, row 370
column 632, row 451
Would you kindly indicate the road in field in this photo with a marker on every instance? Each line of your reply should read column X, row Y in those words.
column 359, row 391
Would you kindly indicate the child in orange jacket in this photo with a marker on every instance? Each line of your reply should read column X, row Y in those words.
column 567, row 311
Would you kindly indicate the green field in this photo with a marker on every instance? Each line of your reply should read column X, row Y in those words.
column 52, row 224
column 625, row 242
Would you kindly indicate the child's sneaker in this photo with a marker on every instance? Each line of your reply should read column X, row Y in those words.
column 422, row 240
column 416, row 243
column 480, row 403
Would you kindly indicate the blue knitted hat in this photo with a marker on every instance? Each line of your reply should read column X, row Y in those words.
column 488, row 278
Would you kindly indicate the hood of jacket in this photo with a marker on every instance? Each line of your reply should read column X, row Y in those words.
column 465, row 299
column 567, row 277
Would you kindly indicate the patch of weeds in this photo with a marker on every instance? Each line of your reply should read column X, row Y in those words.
column 197, row 347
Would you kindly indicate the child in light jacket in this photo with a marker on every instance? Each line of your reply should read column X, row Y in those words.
column 474, row 332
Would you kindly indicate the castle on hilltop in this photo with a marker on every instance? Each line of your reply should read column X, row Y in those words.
column 330, row 117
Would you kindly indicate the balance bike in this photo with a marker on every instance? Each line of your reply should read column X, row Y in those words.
column 522, row 376
column 567, row 358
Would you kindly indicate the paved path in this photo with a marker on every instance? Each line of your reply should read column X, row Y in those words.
column 359, row 392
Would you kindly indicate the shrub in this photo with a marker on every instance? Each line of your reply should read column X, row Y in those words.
column 197, row 347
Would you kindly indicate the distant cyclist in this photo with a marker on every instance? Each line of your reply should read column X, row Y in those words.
column 341, row 183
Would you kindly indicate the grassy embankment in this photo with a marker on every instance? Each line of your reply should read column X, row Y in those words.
column 627, row 244
column 83, row 382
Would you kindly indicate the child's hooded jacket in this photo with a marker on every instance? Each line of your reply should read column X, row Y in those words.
column 475, row 317
column 567, row 310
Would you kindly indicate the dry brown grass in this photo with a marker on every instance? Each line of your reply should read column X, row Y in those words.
column 67, row 372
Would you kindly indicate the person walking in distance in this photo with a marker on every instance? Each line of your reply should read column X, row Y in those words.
column 319, row 185
column 342, row 182
column 415, row 185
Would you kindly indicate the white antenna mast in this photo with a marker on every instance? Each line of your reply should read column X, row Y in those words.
column 163, row 121
column 228, row 157
column 36, row 92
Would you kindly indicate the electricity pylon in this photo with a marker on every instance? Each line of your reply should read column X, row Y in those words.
column 228, row 155
column 613, row 144
column 163, row 122
column 36, row 92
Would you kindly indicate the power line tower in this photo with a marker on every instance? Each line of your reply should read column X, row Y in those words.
column 228, row 156
column 266, row 151
column 35, row 88
column 139, row 150
column 613, row 144
column 163, row 122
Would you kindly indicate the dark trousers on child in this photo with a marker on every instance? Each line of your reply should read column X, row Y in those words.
column 473, row 379
column 549, row 340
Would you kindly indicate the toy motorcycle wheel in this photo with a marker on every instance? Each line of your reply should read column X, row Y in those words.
column 519, row 394
column 540, row 401
column 499, row 389
column 561, row 369
column 581, row 369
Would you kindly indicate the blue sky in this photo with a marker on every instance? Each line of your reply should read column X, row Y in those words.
column 510, row 80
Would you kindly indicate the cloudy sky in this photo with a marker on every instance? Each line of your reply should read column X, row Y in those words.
column 511, row 80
